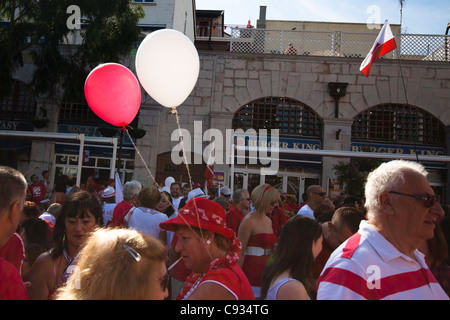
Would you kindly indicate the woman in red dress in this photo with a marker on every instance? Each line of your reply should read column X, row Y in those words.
column 256, row 235
column 211, row 251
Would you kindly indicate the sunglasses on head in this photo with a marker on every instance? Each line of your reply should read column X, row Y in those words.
column 428, row 199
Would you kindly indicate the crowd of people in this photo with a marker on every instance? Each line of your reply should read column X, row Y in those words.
column 178, row 242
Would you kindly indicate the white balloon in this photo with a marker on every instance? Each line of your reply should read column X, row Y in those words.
column 167, row 66
column 169, row 181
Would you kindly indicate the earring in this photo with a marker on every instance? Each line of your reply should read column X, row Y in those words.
column 208, row 242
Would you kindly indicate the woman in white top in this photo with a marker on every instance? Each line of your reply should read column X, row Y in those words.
column 289, row 275
column 145, row 218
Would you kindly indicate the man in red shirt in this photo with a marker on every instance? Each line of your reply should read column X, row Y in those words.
column 344, row 223
column 36, row 190
column 238, row 209
column 130, row 192
column 12, row 198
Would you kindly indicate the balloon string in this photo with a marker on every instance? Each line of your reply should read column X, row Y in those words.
column 175, row 111
column 140, row 155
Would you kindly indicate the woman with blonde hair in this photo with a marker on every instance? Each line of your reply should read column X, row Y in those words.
column 118, row 264
column 256, row 235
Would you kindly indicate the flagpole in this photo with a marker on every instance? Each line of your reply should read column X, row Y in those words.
column 384, row 43
column 406, row 99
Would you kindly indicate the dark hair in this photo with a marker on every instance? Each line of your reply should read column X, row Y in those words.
column 35, row 231
column 347, row 216
column 170, row 209
column 61, row 183
column 294, row 252
column 77, row 204
column 323, row 213
column 31, row 210
column 12, row 184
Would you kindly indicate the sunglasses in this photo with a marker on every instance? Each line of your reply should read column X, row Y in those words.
column 428, row 199
column 320, row 193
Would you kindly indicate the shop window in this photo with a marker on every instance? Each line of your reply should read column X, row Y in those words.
column 20, row 104
column 290, row 116
column 398, row 123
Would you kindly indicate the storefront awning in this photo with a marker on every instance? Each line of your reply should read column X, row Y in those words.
column 66, row 137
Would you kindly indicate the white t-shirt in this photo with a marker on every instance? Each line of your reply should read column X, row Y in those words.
column 147, row 220
column 108, row 209
column 176, row 202
column 306, row 211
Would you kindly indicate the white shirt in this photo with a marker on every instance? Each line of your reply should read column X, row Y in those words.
column 176, row 202
column 147, row 220
column 368, row 266
column 108, row 209
column 306, row 211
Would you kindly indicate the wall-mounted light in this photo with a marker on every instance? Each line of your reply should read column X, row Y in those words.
column 337, row 90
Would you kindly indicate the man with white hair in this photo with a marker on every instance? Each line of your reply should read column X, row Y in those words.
column 131, row 190
column 381, row 260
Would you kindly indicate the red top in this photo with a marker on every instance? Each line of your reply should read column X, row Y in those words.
column 12, row 287
column 14, row 252
column 36, row 192
column 234, row 218
column 321, row 259
column 278, row 218
column 253, row 266
column 120, row 212
column 233, row 279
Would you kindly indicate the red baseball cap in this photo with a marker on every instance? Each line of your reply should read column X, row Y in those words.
column 201, row 213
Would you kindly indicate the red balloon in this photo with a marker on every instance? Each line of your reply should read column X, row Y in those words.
column 113, row 93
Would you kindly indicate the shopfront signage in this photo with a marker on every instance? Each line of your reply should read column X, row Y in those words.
column 397, row 149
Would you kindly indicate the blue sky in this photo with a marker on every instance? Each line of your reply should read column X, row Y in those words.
column 419, row 16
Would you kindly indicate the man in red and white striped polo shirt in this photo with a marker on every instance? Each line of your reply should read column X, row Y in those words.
column 381, row 260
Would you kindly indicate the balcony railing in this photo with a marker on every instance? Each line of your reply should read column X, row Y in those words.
column 337, row 44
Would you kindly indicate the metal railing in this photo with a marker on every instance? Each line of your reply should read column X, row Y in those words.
column 337, row 44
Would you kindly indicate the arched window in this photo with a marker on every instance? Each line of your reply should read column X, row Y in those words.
column 20, row 104
column 399, row 123
column 290, row 116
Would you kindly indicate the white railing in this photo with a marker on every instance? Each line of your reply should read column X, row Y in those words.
column 336, row 43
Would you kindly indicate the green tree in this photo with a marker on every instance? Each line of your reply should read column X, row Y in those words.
column 353, row 174
column 39, row 29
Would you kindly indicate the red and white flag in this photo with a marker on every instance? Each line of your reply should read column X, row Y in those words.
column 384, row 43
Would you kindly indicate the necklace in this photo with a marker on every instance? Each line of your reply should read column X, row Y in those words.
column 193, row 288
column 69, row 259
